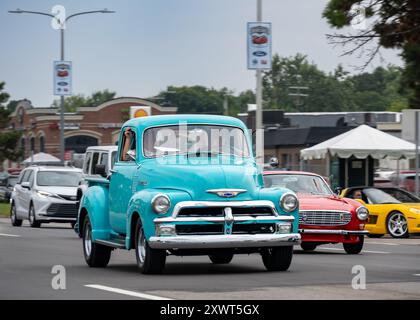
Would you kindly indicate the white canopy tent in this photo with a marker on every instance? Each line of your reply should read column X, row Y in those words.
column 361, row 142
column 41, row 158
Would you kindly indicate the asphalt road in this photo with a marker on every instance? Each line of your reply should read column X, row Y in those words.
column 28, row 255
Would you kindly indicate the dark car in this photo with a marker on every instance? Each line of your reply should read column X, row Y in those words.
column 6, row 187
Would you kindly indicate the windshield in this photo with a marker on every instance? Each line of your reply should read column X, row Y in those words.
column 59, row 178
column 298, row 183
column 377, row 196
column 401, row 195
column 194, row 140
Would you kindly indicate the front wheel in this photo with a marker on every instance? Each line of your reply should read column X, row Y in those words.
column 221, row 257
column 277, row 258
column 13, row 217
column 354, row 248
column 397, row 225
column 32, row 218
column 151, row 261
column 96, row 255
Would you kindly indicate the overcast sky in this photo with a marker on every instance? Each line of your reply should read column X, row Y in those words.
column 150, row 44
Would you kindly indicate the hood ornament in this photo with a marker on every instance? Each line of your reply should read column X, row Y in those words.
column 226, row 193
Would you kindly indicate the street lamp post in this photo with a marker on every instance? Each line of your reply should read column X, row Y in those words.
column 62, row 27
column 259, row 143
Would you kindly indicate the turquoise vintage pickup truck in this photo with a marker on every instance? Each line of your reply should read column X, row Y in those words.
column 186, row 185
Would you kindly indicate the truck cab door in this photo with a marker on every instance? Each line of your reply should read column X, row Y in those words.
column 122, row 180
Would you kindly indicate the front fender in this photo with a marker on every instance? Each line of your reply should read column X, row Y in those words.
column 96, row 202
column 140, row 204
column 274, row 194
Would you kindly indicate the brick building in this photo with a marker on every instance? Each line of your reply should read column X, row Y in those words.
column 88, row 126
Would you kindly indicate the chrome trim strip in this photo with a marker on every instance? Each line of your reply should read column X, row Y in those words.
column 222, row 219
column 319, row 210
column 225, row 241
column 46, row 218
column 203, row 204
column 341, row 232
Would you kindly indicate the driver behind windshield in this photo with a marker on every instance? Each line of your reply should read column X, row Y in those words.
column 358, row 194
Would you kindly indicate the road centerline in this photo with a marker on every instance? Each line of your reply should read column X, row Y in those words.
column 9, row 235
column 126, row 292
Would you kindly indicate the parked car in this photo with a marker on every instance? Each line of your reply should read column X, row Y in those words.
column 323, row 216
column 405, row 179
column 164, row 196
column 6, row 187
column 45, row 194
column 391, row 210
column 102, row 157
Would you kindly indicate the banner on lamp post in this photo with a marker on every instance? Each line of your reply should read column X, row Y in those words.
column 259, row 45
column 62, row 78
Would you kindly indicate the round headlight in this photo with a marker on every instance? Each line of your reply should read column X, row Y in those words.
column 362, row 213
column 160, row 203
column 288, row 202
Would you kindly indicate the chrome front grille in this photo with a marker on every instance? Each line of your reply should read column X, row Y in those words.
column 324, row 218
column 219, row 211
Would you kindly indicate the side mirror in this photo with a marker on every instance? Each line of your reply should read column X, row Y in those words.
column 26, row 185
column 361, row 201
column 101, row 170
column 274, row 162
column 338, row 190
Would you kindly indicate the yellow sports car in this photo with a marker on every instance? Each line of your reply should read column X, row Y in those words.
column 391, row 210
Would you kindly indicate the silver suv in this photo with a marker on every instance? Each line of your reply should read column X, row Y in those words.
column 45, row 194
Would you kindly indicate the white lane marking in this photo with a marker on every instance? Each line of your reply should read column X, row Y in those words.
column 9, row 235
column 416, row 274
column 366, row 251
column 384, row 243
column 127, row 292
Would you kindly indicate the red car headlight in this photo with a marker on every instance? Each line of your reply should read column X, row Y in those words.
column 362, row 213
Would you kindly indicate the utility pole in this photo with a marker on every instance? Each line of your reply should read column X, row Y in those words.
column 225, row 105
column 259, row 145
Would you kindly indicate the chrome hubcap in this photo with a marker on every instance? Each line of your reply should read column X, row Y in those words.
column 88, row 241
column 397, row 224
column 141, row 247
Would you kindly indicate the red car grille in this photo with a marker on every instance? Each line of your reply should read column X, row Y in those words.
column 324, row 218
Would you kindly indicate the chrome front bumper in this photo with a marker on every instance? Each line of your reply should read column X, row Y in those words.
column 228, row 239
column 339, row 232
column 225, row 241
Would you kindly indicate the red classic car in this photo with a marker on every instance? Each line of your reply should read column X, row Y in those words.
column 323, row 216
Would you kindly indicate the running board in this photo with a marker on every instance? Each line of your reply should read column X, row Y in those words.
column 113, row 244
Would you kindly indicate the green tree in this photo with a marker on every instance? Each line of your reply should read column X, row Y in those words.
column 72, row 103
column 295, row 84
column 202, row 100
column 195, row 99
column 8, row 139
column 389, row 24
